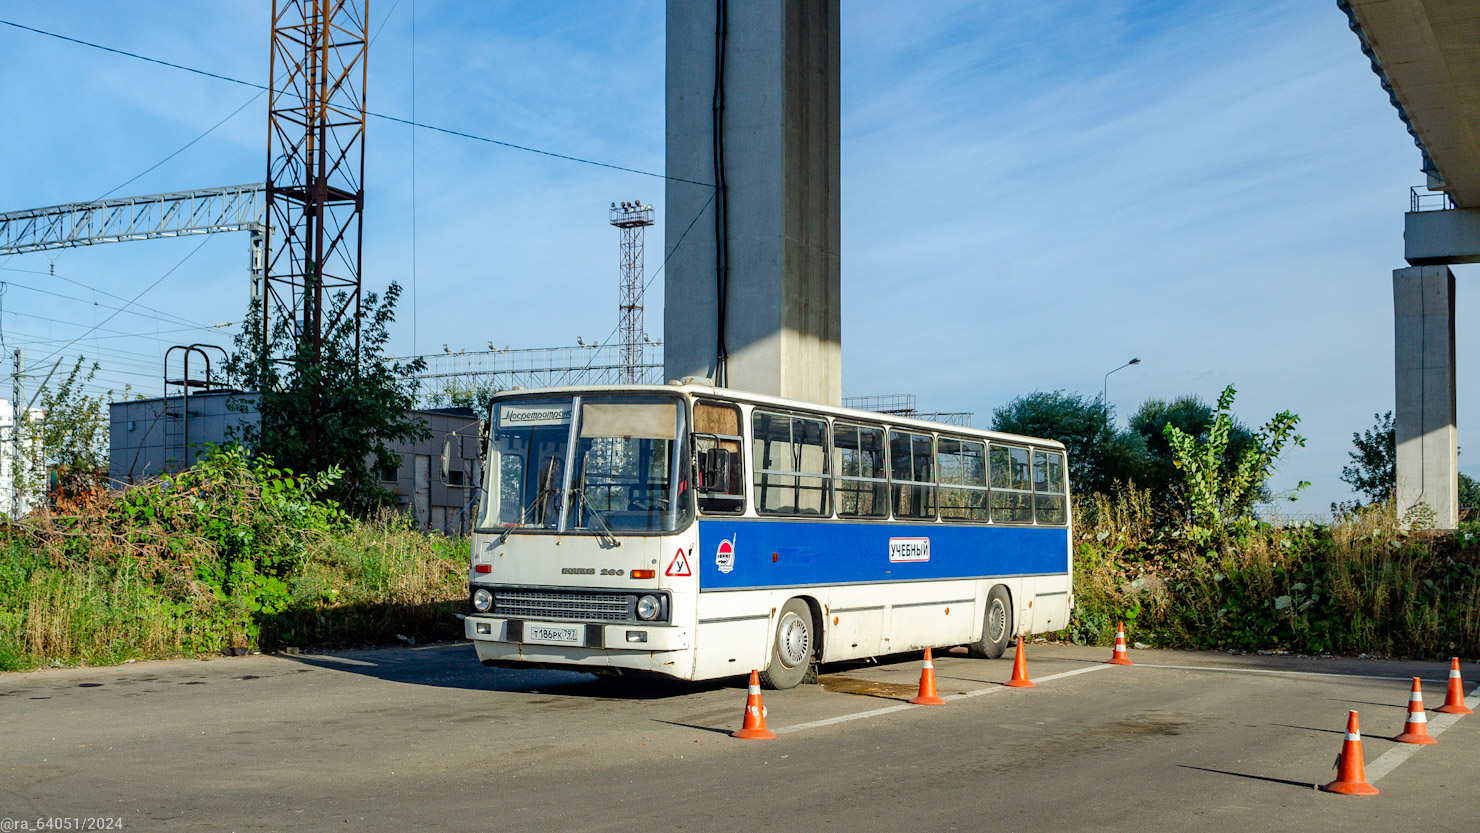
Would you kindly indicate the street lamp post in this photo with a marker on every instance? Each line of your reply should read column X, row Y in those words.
column 1105, row 389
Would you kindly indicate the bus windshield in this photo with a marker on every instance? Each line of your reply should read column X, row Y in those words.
column 621, row 475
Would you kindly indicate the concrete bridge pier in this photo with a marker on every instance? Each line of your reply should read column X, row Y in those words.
column 753, row 282
column 1425, row 414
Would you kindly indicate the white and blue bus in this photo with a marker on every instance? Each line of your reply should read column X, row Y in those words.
column 701, row 532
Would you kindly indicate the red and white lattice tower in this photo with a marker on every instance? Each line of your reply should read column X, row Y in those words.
column 631, row 218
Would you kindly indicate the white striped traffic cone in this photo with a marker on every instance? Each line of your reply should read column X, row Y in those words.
column 1454, row 702
column 1119, row 657
column 928, row 696
column 1351, row 772
column 754, row 725
column 1416, row 730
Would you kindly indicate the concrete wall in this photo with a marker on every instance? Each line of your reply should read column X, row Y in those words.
column 1424, row 416
column 1442, row 237
column 782, row 172
column 146, row 437
column 146, row 440
column 11, row 504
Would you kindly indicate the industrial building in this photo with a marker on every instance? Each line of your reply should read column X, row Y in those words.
column 154, row 437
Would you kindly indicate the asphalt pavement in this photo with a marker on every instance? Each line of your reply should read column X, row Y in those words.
column 425, row 738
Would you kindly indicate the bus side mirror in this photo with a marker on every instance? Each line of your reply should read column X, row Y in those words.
column 715, row 470
column 446, row 458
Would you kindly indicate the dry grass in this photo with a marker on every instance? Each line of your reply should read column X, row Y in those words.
column 1362, row 585
column 363, row 585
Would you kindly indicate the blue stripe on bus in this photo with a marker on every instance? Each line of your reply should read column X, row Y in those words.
column 792, row 553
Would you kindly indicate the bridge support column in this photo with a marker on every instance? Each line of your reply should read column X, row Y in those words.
column 755, row 272
column 1424, row 416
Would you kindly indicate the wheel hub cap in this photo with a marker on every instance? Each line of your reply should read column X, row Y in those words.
column 996, row 622
column 793, row 640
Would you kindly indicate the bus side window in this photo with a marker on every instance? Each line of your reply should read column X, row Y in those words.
column 791, row 464
column 912, row 466
column 860, row 478
column 963, row 479
column 1012, row 488
column 1048, row 487
column 510, row 487
column 718, row 467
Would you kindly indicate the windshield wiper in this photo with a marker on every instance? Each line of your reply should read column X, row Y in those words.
column 523, row 518
column 602, row 528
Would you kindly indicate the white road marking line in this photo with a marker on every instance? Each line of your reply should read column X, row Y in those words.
column 1279, row 671
column 990, row 689
column 781, row 730
column 1050, row 678
column 1390, row 760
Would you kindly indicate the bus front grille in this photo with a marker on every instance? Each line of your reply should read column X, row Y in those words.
column 534, row 604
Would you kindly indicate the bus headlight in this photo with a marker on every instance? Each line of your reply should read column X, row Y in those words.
column 482, row 600
column 647, row 608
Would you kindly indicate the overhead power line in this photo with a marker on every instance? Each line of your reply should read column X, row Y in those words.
column 447, row 130
column 182, row 148
column 52, row 274
column 112, row 315
column 32, row 339
column 166, row 318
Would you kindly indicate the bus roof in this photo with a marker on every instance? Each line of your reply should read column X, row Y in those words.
column 694, row 389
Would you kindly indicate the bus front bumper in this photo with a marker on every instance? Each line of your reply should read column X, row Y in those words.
column 532, row 638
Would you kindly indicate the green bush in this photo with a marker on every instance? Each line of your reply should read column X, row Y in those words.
column 1367, row 584
column 234, row 553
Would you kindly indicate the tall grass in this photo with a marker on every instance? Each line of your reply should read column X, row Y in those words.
column 1362, row 585
column 363, row 584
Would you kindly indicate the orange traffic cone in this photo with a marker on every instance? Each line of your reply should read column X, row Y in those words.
column 1455, row 702
column 1119, row 657
column 1020, row 669
column 927, row 696
column 1351, row 772
column 755, row 714
column 1416, row 730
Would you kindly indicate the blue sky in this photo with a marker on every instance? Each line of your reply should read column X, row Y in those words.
column 1044, row 190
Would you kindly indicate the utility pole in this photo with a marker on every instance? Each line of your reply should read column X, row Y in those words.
column 17, row 395
column 632, row 218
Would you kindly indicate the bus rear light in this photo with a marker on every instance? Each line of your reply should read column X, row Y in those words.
column 644, row 573
column 482, row 568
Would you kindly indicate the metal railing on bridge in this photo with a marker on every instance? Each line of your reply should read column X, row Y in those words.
column 1426, row 200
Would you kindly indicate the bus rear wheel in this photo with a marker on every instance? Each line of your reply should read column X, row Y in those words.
column 792, row 649
column 996, row 625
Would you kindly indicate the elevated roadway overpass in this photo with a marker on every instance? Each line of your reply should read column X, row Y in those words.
column 1426, row 54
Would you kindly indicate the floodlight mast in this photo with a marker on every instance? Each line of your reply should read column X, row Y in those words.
column 632, row 218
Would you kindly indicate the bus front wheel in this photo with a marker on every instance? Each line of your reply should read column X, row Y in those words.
column 792, row 649
column 996, row 625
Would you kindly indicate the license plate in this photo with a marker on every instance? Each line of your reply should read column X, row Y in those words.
column 551, row 635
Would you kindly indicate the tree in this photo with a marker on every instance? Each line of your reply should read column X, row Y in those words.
column 1217, row 486
column 1193, row 417
column 338, row 410
column 1469, row 492
column 1373, row 471
column 1099, row 455
column 67, row 443
column 462, row 393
